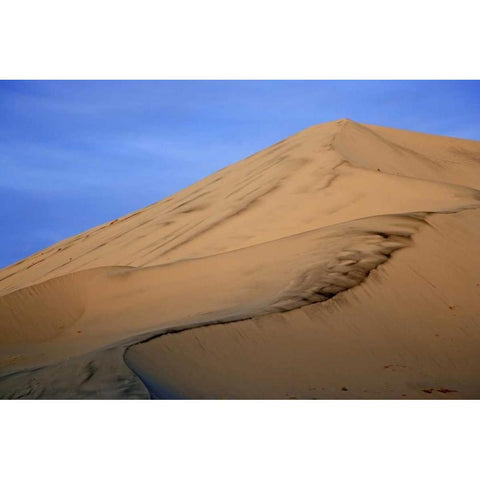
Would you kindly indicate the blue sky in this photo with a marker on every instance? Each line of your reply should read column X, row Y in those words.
column 74, row 154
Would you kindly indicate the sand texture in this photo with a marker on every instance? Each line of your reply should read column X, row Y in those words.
column 342, row 262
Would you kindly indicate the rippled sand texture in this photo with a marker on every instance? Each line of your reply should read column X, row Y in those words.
column 342, row 262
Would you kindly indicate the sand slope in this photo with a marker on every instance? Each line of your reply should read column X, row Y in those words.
column 354, row 248
column 411, row 330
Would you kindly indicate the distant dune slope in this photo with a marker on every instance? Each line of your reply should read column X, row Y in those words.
column 313, row 219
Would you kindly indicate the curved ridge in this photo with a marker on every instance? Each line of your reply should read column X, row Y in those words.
column 123, row 305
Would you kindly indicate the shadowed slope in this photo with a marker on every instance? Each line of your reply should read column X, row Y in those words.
column 95, row 375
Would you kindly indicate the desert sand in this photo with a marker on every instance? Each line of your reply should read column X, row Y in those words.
column 341, row 262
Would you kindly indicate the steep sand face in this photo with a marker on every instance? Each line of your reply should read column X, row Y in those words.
column 410, row 154
column 353, row 246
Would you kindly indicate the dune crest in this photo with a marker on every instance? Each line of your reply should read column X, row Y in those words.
column 109, row 305
column 299, row 223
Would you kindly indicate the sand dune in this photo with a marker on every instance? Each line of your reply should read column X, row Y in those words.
column 348, row 251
